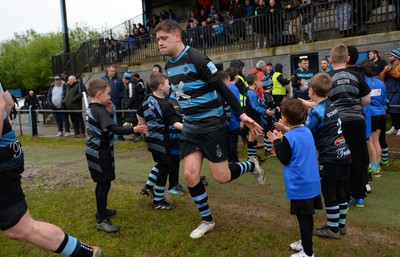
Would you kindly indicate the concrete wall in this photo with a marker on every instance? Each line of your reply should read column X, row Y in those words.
column 383, row 42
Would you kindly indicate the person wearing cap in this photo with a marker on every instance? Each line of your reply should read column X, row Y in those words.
column 301, row 79
column 391, row 76
column 55, row 99
column 73, row 101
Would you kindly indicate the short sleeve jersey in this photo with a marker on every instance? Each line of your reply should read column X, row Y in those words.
column 324, row 122
column 348, row 86
column 11, row 156
column 190, row 75
column 159, row 115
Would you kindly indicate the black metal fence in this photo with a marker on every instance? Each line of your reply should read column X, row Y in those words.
column 305, row 23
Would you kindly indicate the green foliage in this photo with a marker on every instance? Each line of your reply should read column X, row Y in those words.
column 25, row 60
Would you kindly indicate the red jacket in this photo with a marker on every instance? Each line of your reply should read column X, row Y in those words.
column 260, row 74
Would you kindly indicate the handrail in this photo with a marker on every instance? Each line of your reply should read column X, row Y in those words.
column 320, row 21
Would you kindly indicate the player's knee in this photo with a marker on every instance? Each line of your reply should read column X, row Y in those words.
column 221, row 179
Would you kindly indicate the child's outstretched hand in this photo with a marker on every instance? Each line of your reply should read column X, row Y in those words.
column 110, row 108
column 140, row 129
column 274, row 135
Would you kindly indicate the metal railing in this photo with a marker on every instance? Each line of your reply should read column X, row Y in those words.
column 306, row 23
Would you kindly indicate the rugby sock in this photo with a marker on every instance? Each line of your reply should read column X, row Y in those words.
column 70, row 246
column 332, row 213
column 385, row 154
column 237, row 169
column 151, row 180
column 342, row 214
column 267, row 145
column 378, row 165
column 251, row 149
column 158, row 193
column 200, row 198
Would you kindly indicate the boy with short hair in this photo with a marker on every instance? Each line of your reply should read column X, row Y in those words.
column 230, row 77
column 334, row 155
column 296, row 151
column 159, row 114
column 100, row 147
column 350, row 93
column 254, row 110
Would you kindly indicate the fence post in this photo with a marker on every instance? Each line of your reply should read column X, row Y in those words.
column 32, row 121
column 115, row 120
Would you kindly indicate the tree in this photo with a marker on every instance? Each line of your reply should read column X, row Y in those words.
column 25, row 60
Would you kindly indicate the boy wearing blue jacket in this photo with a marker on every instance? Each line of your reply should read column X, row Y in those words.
column 254, row 110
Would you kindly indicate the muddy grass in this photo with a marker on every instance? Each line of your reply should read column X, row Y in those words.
column 253, row 219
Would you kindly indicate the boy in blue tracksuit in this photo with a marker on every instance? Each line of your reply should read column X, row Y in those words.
column 254, row 110
column 296, row 151
column 230, row 77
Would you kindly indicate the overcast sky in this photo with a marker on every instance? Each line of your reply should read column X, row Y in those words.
column 45, row 15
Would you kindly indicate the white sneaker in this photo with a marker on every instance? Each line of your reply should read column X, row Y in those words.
column 398, row 133
column 59, row 134
column 301, row 254
column 296, row 246
column 392, row 131
column 258, row 171
column 203, row 228
column 368, row 188
column 67, row 134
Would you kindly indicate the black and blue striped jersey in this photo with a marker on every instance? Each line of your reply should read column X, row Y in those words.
column 159, row 115
column 190, row 75
column 324, row 122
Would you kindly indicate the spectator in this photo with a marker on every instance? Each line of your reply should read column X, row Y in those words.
column 73, row 101
column 117, row 93
column 260, row 24
column 203, row 16
column 13, row 113
column 391, row 77
column 31, row 100
column 275, row 22
column 324, row 66
column 205, row 33
column 279, row 83
column 55, row 98
column 343, row 19
column 293, row 15
column 237, row 11
column 219, row 32
column 308, row 14
column 260, row 70
column 249, row 8
column 380, row 64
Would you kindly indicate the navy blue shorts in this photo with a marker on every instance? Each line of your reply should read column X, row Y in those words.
column 214, row 144
column 12, row 198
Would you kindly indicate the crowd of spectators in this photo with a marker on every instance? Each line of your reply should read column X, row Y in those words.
column 276, row 22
